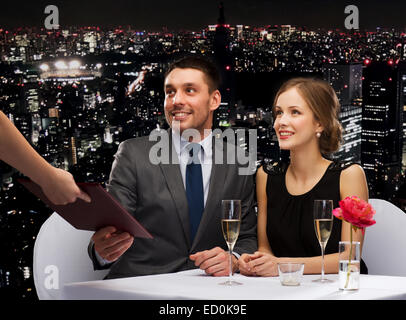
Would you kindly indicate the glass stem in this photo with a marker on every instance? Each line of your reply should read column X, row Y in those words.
column 230, row 273
column 322, row 260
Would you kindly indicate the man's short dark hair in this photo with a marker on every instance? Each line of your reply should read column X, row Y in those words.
column 200, row 63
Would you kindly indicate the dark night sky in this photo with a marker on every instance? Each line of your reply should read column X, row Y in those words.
column 193, row 15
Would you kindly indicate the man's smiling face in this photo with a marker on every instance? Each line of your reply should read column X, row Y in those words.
column 188, row 100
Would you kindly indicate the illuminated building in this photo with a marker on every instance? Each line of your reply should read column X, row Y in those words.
column 346, row 81
column 240, row 35
column 381, row 128
column 222, row 115
column 30, row 88
column 35, row 127
column 74, row 159
column 67, row 71
column 54, row 112
column 23, row 124
column 221, row 42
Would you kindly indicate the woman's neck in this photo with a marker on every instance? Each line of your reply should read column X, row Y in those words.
column 305, row 164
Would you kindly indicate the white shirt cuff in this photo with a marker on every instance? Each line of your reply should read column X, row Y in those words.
column 100, row 260
column 237, row 255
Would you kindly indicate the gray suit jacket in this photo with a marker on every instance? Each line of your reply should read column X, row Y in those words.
column 156, row 196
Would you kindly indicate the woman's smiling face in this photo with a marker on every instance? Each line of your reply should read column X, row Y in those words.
column 295, row 124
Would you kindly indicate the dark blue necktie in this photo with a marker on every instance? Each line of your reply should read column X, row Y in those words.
column 194, row 188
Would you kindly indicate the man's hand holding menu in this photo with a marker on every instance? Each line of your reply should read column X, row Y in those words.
column 110, row 243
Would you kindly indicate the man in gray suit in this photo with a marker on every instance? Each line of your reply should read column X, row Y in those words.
column 183, row 216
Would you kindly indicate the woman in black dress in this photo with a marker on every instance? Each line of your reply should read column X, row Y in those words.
column 306, row 123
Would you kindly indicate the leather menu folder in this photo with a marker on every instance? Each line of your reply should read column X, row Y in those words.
column 101, row 212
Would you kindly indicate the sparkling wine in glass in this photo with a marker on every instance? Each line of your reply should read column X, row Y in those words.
column 323, row 223
column 230, row 224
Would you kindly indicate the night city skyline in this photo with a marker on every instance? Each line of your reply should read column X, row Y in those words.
column 67, row 90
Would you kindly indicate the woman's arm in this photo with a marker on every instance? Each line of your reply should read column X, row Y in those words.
column 263, row 243
column 57, row 184
column 261, row 180
column 353, row 183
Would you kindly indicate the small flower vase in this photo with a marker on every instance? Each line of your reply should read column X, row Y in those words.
column 349, row 265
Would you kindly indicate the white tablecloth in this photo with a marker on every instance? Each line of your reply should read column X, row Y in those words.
column 194, row 284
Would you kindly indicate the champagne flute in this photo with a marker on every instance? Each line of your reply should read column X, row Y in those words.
column 323, row 223
column 230, row 224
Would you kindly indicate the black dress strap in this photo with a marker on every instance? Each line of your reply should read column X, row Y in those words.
column 339, row 165
column 274, row 167
column 278, row 167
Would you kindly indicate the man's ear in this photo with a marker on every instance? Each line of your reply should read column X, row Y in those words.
column 215, row 100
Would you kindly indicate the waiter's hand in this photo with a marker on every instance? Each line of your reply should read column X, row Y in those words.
column 60, row 187
column 214, row 262
column 111, row 244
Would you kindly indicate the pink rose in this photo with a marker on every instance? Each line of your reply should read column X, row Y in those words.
column 355, row 211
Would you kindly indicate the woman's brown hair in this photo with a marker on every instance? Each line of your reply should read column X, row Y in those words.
column 322, row 100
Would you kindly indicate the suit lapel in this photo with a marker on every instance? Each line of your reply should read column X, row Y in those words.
column 174, row 181
column 217, row 179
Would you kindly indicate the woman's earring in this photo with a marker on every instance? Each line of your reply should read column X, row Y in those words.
column 318, row 134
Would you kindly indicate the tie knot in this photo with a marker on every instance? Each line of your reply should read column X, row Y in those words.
column 193, row 149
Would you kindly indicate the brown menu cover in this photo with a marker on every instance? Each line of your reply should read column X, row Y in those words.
column 101, row 212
